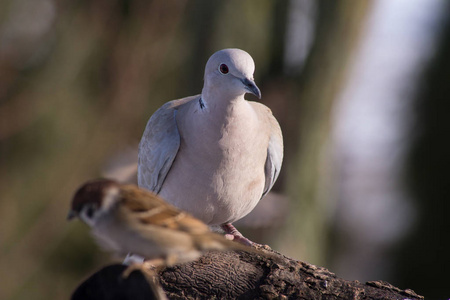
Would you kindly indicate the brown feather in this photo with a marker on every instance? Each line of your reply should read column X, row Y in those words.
column 91, row 192
column 152, row 209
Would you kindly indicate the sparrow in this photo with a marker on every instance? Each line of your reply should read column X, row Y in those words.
column 127, row 219
column 214, row 155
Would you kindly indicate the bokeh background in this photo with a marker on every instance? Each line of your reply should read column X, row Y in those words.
column 361, row 90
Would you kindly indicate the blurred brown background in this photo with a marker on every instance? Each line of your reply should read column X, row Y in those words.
column 361, row 89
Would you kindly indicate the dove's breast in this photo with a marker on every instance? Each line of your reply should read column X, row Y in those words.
column 218, row 173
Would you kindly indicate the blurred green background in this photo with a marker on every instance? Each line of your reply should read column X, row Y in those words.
column 360, row 88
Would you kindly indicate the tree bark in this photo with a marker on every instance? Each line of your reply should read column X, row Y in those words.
column 237, row 275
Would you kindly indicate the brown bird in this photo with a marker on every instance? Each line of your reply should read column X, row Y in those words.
column 127, row 219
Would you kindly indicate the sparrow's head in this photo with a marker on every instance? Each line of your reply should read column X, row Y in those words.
column 93, row 199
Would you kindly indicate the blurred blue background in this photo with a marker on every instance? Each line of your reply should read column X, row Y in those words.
column 360, row 88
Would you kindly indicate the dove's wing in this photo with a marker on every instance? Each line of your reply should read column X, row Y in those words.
column 159, row 145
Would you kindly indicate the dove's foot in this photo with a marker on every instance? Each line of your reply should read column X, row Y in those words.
column 231, row 233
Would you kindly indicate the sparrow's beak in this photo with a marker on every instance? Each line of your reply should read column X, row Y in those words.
column 71, row 215
column 250, row 86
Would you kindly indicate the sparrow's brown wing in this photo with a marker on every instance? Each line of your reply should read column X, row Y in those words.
column 151, row 209
column 152, row 213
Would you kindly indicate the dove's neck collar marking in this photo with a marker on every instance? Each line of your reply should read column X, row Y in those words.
column 218, row 101
column 201, row 103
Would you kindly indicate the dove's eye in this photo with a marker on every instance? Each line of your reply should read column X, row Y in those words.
column 223, row 68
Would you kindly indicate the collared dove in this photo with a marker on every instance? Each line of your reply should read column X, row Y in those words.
column 216, row 154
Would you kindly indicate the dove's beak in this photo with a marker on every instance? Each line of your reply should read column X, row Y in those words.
column 251, row 87
column 71, row 215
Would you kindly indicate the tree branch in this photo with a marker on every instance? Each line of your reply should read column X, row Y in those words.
column 231, row 275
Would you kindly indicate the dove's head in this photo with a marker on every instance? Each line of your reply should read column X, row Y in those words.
column 94, row 199
column 231, row 71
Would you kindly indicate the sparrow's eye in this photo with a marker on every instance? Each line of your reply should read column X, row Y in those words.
column 223, row 68
column 90, row 211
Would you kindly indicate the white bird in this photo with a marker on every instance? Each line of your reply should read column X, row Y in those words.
column 216, row 154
